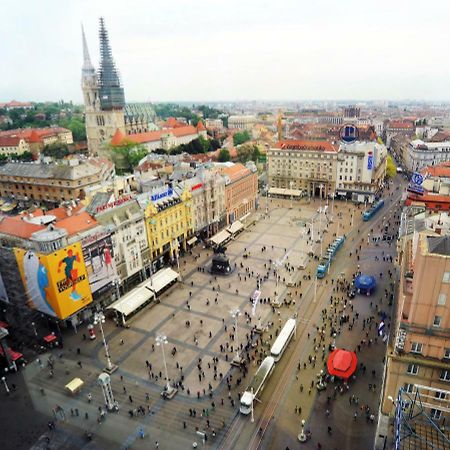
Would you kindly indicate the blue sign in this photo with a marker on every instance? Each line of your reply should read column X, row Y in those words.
column 370, row 162
column 415, row 189
column 349, row 133
column 417, row 178
column 160, row 195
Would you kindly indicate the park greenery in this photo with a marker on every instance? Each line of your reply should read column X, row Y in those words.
column 241, row 137
column 166, row 110
column 63, row 114
column 24, row 157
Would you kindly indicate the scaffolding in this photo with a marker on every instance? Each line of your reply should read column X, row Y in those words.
column 421, row 418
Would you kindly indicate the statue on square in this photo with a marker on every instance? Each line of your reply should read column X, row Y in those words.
column 220, row 264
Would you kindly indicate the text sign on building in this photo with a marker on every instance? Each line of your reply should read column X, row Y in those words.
column 161, row 195
column 196, row 186
column 370, row 161
column 118, row 202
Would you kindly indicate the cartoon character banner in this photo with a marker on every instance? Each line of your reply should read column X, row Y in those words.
column 57, row 284
column 98, row 255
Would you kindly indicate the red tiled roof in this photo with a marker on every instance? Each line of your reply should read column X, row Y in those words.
column 77, row 223
column 9, row 141
column 17, row 226
column 34, row 137
column 152, row 136
column 31, row 133
column 399, row 124
column 235, row 171
column 200, row 126
column 324, row 146
column 440, row 170
column 118, row 138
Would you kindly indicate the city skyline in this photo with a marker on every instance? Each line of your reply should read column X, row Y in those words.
column 232, row 51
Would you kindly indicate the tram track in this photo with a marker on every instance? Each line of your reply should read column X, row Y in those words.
column 312, row 310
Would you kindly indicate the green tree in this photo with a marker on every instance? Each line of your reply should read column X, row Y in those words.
column 127, row 156
column 224, row 155
column 56, row 150
column 241, row 137
column 248, row 152
column 391, row 169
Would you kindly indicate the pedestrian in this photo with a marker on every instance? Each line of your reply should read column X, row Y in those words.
column 79, row 364
column 130, row 398
column 156, row 444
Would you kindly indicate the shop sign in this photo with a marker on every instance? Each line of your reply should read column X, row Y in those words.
column 161, row 195
column 114, row 204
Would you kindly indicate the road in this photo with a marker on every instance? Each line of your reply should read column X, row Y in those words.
column 243, row 434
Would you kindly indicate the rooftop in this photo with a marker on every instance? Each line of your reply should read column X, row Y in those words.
column 439, row 245
column 53, row 171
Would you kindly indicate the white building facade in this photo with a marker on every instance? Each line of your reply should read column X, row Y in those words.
column 423, row 154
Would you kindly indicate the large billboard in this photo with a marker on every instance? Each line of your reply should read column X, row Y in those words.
column 56, row 284
column 98, row 256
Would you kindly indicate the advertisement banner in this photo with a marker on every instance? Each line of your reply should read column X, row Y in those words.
column 3, row 294
column 56, row 284
column 370, row 161
column 98, row 256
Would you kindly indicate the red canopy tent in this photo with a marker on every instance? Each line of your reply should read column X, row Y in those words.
column 3, row 324
column 50, row 338
column 342, row 363
column 13, row 354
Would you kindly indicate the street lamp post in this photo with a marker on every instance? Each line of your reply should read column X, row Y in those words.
column 169, row 391
column 332, row 206
column 176, row 246
column 253, row 417
column 34, row 328
column 290, row 186
column 368, row 238
column 6, row 385
column 235, row 313
column 99, row 319
column 302, row 436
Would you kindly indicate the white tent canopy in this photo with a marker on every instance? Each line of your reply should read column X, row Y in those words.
column 132, row 301
column 235, row 227
column 161, row 279
column 285, row 192
column 220, row 237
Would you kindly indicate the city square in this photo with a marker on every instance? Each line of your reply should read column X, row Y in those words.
column 283, row 233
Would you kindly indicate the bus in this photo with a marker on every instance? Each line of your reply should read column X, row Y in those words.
column 257, row 385
column 283, row 339
column 373, row 210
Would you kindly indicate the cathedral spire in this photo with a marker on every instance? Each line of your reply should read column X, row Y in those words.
column 88, row 68
column 111, row 91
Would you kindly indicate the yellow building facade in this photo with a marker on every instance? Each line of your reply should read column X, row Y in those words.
column 169, row 223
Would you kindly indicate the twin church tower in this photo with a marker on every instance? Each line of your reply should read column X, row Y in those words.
column 104, row 99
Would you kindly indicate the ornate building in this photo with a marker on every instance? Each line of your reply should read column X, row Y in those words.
column 104, row 99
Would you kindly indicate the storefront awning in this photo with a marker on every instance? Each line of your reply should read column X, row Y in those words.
column 161, row 279
column 285, row 192
column 192, row 241
column 130, row 302
column 220, row 237
column 12, row 354
column 235, row 227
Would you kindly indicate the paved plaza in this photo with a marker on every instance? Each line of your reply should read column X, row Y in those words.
column 276, row 242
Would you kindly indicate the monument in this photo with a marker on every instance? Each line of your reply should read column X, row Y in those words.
column 220, row 264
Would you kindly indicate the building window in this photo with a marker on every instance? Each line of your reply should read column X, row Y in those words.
column 413, row 369
column 435, row 414
column 416, row 347
column 441, row 299
column 447, row 353
column 446, row 277
column 408, row 387
column 437, row 321
column 440, row 395
column 445, row 375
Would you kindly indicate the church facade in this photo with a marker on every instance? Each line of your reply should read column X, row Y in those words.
column 104, row 99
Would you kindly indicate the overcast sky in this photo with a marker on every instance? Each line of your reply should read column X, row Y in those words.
column 231, row 49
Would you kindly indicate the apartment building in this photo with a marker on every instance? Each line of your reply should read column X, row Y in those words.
column 301, row 164
column 53, row 183
column 419, row 354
